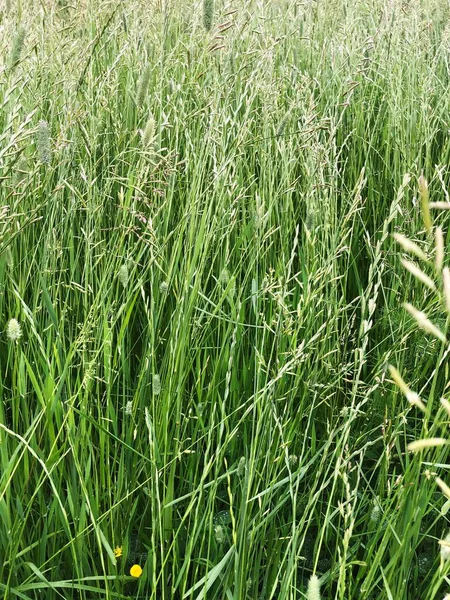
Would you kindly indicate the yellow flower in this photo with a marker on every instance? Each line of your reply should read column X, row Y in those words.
column 135, row 571
column 118, row 551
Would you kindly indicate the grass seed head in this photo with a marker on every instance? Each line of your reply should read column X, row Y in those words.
column 224, row 277
column 143, row 86
column 208, row 14
column 418, row 445
column 424, row 201
column 444, row 487
column 17, row 47
column 13, row 330
column 292, row 460
column 219, row 534
column 156, row 384
column 282, row 126
column 446, row 281
column 445, row 548
column 446, row 404
column 409, row 246
column 313, row 588
column 148, row 135
column 241, row 467
column 123, row 275
column 412, row 397
column 43, row 143
column 439, row 244
column 424, row 323
column 9, row 258
column 376, row 511
column 418, row 274
column 440, row 205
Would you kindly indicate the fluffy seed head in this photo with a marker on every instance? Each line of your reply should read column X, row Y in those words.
column 424, row 323
column 424, row 201
column 418, row 273
column 375, row 513
column 219, row 534
column 43, row 142
column 283, row 123
column 446, row 404
column 440, row 205
column 446, row 280
column 123, row 275
column 241, row 467
column 439, row 257
column 292, row 460
column 163, row 287
column 9, row 258
column 17, row 47
column 13, row 330
column 412, row 397
column 224, row 277
column 444, row 487
column 148, row 135
column 143, row 86
column 313, row 588
column 426, row 443
column 156, row 384
column 445, row 548
column 409, row 246
column 208, row 14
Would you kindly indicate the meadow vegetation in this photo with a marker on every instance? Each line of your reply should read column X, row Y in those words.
column 209, row 380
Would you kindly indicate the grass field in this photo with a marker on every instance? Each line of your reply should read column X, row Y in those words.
column 209, row 379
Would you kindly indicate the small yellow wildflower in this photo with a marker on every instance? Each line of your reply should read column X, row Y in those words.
column 135, row 571
column 118, row 551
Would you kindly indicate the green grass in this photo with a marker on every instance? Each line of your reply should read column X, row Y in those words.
column 195, row 237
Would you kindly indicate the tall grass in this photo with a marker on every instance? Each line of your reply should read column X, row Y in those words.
column 200, row 298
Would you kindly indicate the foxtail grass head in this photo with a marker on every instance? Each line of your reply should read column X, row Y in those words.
column 425, row 203
column 13, row 330
column 241, row 467
column 17, row 47
column 148, row 135
column 313, row 592
column 445, row 548
column 219, row 534
column 143, row 86
column 43, row 143
column 156, row 384
column 9, row 258
column 124, row 275
column 208, row 14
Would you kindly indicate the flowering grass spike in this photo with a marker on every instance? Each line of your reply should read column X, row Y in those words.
column 13, row 330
